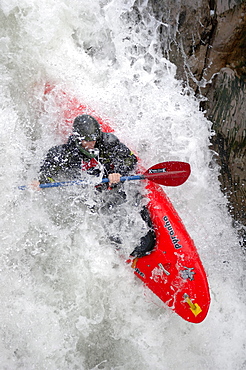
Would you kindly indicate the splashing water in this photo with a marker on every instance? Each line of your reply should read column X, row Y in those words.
column 68, row 301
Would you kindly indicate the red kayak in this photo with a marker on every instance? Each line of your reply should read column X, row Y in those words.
column 173, row 271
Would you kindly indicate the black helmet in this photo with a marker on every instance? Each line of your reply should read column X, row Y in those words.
column 86, row 127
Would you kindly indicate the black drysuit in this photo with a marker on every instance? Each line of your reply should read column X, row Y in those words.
column 67, row 161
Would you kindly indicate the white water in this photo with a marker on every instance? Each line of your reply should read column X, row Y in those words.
column 67, row 299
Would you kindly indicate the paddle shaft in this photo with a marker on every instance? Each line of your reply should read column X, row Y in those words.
column 80, row 182
column 165, row 173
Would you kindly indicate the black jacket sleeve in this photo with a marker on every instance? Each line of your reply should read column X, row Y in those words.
column 51, row 165
column 62, row 163
column 117, row 157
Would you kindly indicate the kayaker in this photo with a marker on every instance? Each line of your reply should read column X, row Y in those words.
column 98, row 153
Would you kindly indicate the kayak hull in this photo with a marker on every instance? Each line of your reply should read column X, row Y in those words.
column 174, row 271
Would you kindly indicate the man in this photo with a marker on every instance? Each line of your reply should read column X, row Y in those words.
column 98, row 153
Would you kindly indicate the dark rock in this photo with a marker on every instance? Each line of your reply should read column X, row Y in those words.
column 206, row 39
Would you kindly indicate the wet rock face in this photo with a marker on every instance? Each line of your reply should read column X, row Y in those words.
column 227, row 111
column 206, row 39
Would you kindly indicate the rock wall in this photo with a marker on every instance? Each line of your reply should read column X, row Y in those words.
column 206, row 39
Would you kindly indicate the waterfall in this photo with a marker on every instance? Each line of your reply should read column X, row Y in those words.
column 68, row 300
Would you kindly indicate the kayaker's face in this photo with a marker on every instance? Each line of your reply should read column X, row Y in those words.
column 88, row 144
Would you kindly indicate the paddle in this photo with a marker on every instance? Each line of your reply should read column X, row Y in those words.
column 168, row 173
column 165, row 173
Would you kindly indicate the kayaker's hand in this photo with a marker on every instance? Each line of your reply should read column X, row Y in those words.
column 35, row 185
column 114, row 178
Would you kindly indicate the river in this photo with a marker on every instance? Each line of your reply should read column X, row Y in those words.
column 68, row 301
